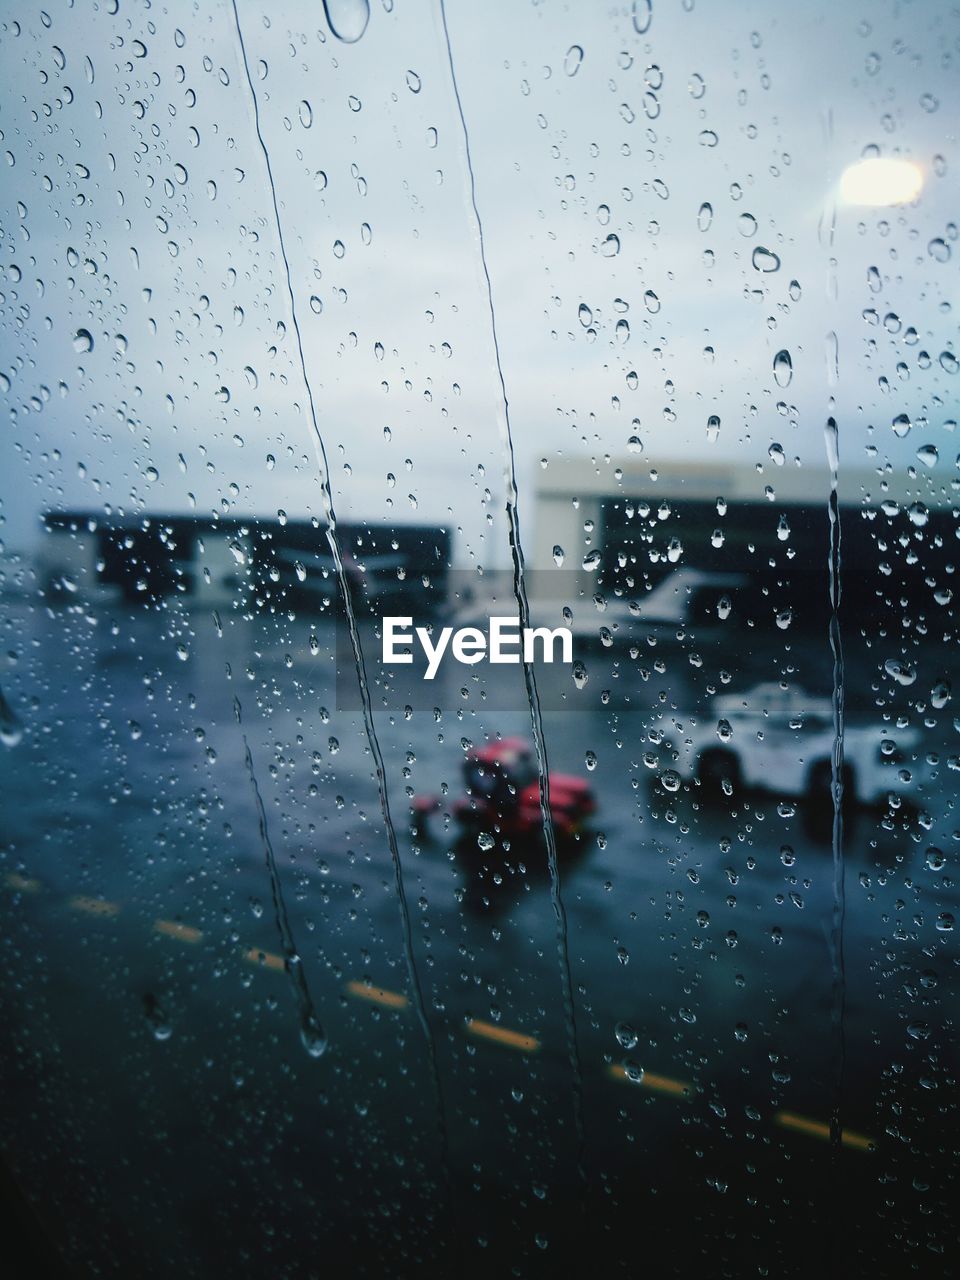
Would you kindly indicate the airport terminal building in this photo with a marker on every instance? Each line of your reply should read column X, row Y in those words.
column 623, row 525
column 280, row 563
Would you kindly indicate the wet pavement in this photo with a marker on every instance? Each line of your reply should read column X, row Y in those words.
column 164, row 1112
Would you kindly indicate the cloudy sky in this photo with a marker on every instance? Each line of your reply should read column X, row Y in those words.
column 661, row 216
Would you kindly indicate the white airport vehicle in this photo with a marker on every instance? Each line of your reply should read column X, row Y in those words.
column 782, row 740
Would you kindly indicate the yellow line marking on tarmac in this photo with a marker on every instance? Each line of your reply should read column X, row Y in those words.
column 94, row 906
column 502, row 1035
column 650, row 1080
column 265, row 959
column 174, row 929
column 817, row 1129
column 24, row 884
column 377, row 995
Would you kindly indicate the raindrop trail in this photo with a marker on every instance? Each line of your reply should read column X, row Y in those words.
column 520, row 591
column 311, row 1032
column 839, row 889
column 334, row 544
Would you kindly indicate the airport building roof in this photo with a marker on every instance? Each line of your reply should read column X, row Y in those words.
column 606, row 477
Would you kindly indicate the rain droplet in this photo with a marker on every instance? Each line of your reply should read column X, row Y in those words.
column 312, row 1037
column 156, row 1018
column 627, row 1037
column 928, row 455
column 611, row 246
column 571, row 63
column 900, row 671
column 11, row 729
column 782, row 368
column 347, row 19
column 940, row 694
column 939, row 250
column 306, row 114
column 901, row 425
column 705, row 216
column 413, row 82
column 558, row 555
column 83, row 341
column 765, row 260
column 642, row 16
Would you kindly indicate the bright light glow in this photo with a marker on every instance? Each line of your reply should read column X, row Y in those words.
column 880, row 182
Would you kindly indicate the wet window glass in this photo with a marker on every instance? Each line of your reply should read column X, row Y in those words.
column 479, row 520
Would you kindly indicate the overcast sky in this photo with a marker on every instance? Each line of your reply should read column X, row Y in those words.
column 136, row 208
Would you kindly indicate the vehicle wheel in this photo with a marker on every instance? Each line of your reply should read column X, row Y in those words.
column 717, row 767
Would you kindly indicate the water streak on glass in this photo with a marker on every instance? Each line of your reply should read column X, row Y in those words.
column 311, row 1032
column 344, row 587
column 832, row 440
column 519, row 587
